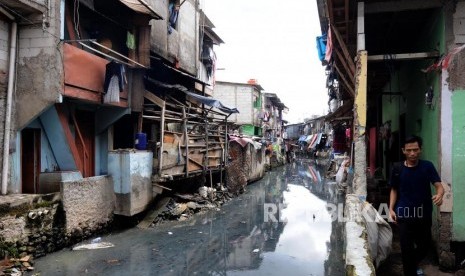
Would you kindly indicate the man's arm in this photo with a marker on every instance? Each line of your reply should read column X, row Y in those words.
column 437, row 198
column 392, row 203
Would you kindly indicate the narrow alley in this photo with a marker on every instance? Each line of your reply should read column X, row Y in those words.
column 237, row 239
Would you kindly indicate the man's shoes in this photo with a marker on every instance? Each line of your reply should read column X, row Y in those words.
column 420, row 272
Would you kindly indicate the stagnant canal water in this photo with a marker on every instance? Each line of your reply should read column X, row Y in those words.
column 245, row 237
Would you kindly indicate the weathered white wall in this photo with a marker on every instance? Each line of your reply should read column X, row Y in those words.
column 239, row 96
column 182, row 43
column 131, row 172
column 40, row 68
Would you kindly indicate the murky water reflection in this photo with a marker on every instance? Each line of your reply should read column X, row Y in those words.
column 237, row 240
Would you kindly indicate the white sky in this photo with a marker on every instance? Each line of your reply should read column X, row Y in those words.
column 272, row 41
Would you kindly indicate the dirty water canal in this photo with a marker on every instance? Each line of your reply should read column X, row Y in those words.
column 243, row 237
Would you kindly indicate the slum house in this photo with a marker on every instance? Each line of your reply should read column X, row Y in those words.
column 273, row 128
column 294, row 131
column 408, row 74
column 74, row 67
column 316, row 137
column 186, row 129
column 246, row 153
column 81, row 136
column 248, row 98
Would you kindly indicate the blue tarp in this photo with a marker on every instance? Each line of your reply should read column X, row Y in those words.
column 302, row 138
column 321, row 46
column 212, row 102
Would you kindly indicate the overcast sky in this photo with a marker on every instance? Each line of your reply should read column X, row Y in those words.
column 274, row 42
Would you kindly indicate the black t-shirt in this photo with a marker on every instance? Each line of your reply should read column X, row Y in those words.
column 414, row 190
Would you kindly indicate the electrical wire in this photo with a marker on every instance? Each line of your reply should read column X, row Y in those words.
column 76, row 18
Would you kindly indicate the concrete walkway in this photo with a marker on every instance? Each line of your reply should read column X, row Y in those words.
column 393, row 265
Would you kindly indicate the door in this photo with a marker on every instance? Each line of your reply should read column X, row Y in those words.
column 30, row 160
column 85, row 140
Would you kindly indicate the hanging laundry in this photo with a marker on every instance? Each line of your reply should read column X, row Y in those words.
column 329, row 45
column 174, row 11
column 115, row 79
column 348, row 133
column 130, row 41
column 112, row 94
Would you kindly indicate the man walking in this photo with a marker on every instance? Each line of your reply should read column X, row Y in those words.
column 411, row 204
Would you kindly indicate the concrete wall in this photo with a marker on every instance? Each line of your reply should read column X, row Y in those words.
column 40, row 68
column 239, row 96
column 4, row 52
column 459, row 23
column 4, row 45
column 88, row 205
column 182, row 43
column 131, row 172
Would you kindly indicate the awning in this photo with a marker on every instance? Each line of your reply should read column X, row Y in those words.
column 141, row 6
column 202, row 99
column 344, row 110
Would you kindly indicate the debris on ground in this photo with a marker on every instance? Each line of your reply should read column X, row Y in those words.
column 16, row 266
column 181, row 207
column 94, row 245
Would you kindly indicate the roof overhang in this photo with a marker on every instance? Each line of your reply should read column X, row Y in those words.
column 141, row 6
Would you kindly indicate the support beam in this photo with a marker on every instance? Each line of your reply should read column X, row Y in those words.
column 399, row 6
column 162, row 137
column 343, row 46
column 361, row 26
column 360, row 116
column 346, row 18
column 345, row 82
column 154, row 99
column 406, row 56
column 346, row 66
column 186, row 140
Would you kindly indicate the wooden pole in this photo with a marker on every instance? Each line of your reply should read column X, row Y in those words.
column 162, row 134
column 186, row 140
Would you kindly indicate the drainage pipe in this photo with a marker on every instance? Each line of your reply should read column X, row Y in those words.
column 11, row 75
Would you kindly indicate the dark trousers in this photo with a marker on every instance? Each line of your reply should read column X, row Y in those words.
column 415, row 241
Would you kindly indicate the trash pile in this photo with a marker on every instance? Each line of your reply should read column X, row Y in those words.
column 16, row 266
column 181, row 207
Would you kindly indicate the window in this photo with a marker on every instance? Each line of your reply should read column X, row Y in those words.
column 173, row 11
column 257, row 102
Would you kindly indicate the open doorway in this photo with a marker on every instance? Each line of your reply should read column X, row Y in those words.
column 30, row 160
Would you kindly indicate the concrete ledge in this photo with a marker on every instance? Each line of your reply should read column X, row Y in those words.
column 17, row 204
column 358, row 259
